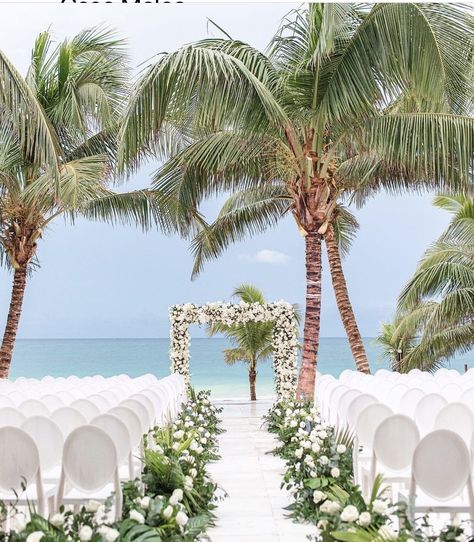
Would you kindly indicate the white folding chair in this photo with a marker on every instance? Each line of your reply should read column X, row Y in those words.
column 10, row 416
column 68, row 419
column 441, row 470
column 88, row 409
column 147, row 403
column 140, row 411
column 20, row 466
column 343, row 404
column 134, row 426
column 49, row 440
column 456, row 417
column 117, row 430
column 394, row 460
column 357, row 405
column 90, row 468
column 426, row 411
column 409, row 401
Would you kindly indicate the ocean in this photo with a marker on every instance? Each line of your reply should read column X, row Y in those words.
column 62, row 357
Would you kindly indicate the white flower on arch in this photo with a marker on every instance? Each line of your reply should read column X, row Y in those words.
column 285, row 335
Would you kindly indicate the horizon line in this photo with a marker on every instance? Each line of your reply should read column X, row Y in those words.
column 146, row 338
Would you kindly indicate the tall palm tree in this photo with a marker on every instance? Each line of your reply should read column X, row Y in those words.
column 253, row 341
column 436, row 307
column 348, row 98
column 58, row 141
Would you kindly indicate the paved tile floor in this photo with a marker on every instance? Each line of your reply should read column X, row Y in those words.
column 253, row 510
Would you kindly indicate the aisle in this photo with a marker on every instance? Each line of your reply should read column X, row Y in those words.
column 253, row 510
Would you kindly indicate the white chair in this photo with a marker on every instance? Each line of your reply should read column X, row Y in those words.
column 34, row 407
column 90, row 468
column 88, row 409
column 451, row 392
column 20, row 466
column 6, row 401
column 409, row 401
column 119, row 433
column 158, row 404
column 11, row 417
column 148, row 404
column 426, row 411
column 394, row 395
column 52, row 402
column 441, row 470
column 456, row 417
column 140, row 411
column 68, row 419
column 16, row 397
column 343, row 404
column 467, row 397
column 357, row 405
column 395, row 441
column 49, row 440
column 100, row 402
column 134, row 426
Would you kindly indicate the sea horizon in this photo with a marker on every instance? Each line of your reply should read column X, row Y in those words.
column 35, row 358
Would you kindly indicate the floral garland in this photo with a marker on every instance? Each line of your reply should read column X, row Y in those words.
column 285, row 342
column 319, row 476
column 173, row 501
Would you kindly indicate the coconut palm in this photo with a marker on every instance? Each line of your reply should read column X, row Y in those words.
column 58, row 141
column 437, row 305
column 253, row 341
column 348, row 98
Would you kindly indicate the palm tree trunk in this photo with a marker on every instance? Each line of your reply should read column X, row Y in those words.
column 13, row 319
column 344, row 303
column 252, row 381
column 307, row 376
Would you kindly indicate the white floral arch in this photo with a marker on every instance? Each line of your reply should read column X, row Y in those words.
column 285, row 335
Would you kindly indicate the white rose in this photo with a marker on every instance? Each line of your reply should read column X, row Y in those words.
column 379, row 507
column 108, row 533
column 322, row 524
column 349, row 514
column 176, row 497
column 318, row 496
column 364, row 519
column 293, row 423
column 181, row 519
column 323, row 434
column 85, row 533
column 315, row 447
column 330, row 507
column 323, row 460
column 387, row 533
column 335, row 472
column 57, row 520
column 136, row 516
column 341, row 448
column 299, row 453
column 145, row 502
column 35, row 536
column 168, row 512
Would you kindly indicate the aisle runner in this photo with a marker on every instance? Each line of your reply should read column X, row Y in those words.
column 253, row 511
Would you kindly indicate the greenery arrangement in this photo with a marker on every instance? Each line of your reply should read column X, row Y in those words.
column 173, row 501
column 319, row 476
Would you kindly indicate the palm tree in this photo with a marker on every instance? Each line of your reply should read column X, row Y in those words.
column 346, row 99
column 58, row 141
column 253, row 340
column 436, row 307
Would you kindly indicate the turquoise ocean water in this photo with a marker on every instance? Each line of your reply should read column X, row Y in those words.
column 108, row 357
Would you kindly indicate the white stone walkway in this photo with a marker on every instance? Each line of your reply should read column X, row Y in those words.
column 253, row 510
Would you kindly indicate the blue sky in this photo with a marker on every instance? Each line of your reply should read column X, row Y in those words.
column 98, row 281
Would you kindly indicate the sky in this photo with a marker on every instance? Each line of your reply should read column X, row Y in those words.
column 101, row 281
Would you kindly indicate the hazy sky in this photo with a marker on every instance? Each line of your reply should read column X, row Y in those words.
column 99, row 281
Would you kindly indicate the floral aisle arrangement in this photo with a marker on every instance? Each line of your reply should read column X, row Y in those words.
column 285, row 334
column 319, row 476
column 172, row 502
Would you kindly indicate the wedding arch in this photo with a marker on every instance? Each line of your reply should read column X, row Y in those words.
column 285, row 335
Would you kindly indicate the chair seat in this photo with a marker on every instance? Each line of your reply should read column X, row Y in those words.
column 30, row 494
column 76, row 496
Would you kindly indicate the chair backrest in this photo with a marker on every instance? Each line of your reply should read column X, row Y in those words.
column 5, row 401
column 131, row 420
column 52, row 402
column 451, row 391
column 147, row 403
column 395, row 394
column 89, row 458
column 158, row 403
column 456, row 417
column 48, row 438
column 410, row 400
column 395, row 441
column 343, row 404
column 140, row 411
column 68, row 419
column 467, row 397
column 357, row 405
column 441, row 464
column 102, row 403
column 368, row 421
column 88, row 409
column 426, row 411
column 34, row 407
column 11, row 416
column 117, row 430
column 333, row 402
column 19, row 459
